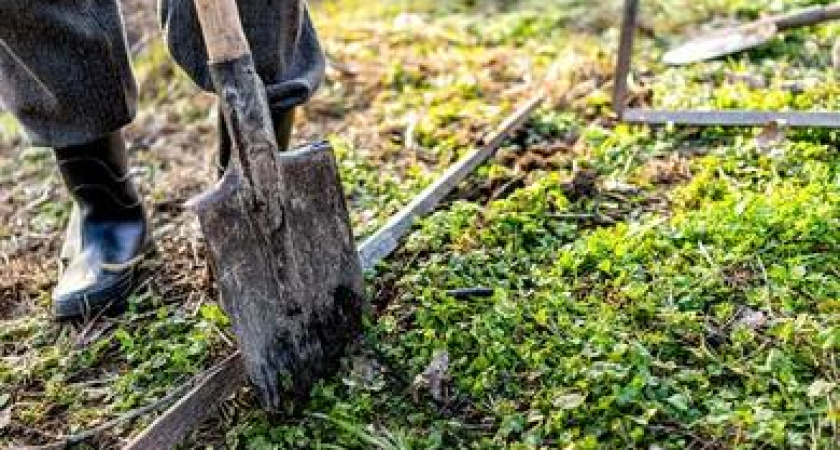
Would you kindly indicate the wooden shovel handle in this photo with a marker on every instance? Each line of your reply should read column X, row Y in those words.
column 222, row 29
column 805, row 17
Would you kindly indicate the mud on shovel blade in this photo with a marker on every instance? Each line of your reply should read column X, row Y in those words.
column 278, row 233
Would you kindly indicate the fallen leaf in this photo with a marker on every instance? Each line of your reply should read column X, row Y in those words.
column 679, row 401
column 365, row 374
column 771, row 136
column 620, row 187
column 820, row 388
column 435, row 377
column 569, row 401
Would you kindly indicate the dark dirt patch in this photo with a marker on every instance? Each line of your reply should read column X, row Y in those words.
column 670, row 170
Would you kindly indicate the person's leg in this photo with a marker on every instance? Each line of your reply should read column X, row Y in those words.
column 109, row 235
column 65, row 75
column 64, row 70
column 286, row 51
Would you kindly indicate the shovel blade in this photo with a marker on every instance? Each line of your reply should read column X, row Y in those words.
column 720, row 44
column 288, row 271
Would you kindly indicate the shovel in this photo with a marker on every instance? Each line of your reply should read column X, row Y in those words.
column 734, row 40
column 278, row 233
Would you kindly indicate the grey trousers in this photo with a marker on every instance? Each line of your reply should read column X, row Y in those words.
column 65, row 71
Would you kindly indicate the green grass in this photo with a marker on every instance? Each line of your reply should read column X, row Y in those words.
column 618, row 337
column 706, row 315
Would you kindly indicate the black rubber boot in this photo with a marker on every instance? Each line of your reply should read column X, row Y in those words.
column 108, row 236
column 283, row 120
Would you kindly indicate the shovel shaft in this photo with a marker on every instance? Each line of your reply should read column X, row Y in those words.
column 805, row 17
column 242, row 96
column 222, row 29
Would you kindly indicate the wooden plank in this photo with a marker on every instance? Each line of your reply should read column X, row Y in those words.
column 733, row 118
column 212, row 388
column 224, row 379
column 386, row 240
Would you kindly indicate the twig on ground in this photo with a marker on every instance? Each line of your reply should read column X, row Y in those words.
column 87, row 336
column 507, row 188
column 78, row 438
column 82, row 340
column 470, row 292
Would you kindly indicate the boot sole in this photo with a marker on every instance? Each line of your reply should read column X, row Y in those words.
column 110, row 301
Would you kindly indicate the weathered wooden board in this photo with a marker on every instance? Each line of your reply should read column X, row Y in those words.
column 215, row 385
